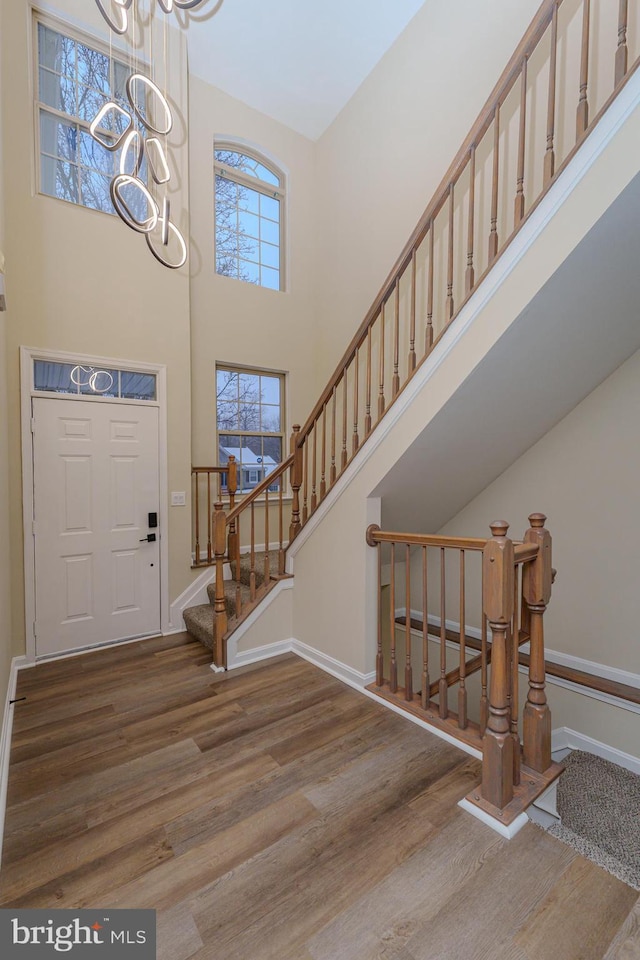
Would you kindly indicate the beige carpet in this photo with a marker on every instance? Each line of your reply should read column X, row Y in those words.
column 599, row 806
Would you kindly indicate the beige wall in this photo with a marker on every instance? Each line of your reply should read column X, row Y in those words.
column 235, row 322
column 82, row 282
column 6, row 650
column 385, row 154
column 584, row 475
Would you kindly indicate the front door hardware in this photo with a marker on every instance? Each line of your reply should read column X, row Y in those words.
column 150, row 539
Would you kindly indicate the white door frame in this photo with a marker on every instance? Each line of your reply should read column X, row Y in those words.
column 27, row 356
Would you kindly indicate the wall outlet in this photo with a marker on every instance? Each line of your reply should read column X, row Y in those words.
column 178, row 498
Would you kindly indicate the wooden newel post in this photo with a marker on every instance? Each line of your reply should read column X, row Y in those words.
column 537, row 578
column 233, row 542
column 497, row 754
column 220, row 606
column 296, row 482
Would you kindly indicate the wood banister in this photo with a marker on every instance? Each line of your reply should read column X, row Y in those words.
column 514, row 591
column 375, row 535
column 499, row 93
column 260, row 488
column 523, row 552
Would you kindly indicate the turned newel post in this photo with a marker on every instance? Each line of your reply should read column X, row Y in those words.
column 296, row 482
column 233, row 543
column 536, row 591
column 220, row 606
column 497, row 752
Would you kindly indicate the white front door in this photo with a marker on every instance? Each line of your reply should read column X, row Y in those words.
column 95, row 484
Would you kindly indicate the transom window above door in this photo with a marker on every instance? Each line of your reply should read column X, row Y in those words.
column 249, row 217
column 84, row 379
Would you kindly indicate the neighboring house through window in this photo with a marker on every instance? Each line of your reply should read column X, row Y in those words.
column 74, row 80
column 249, row 408
column 249, row 216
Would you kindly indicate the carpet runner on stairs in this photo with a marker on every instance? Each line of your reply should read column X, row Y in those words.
column 598, row 803
column 200, row 619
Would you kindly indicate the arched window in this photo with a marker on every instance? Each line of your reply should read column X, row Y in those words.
column 249, row 216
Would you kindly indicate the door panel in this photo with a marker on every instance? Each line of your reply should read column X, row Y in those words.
column 95, row 482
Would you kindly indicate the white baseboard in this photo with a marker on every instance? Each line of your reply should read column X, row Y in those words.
column 505, row 831
column 244, row 657
column 5, row 738
column 237, row 658
column 349, row 675
column 554, row 656
column 564, row 738
column 330, row 665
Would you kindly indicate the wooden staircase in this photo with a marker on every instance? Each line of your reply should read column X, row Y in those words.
column 513, row 155
column 200, row 620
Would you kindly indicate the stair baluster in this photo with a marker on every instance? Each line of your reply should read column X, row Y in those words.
column 220, row 606
column 621, row 51
column 582, row 113
column 296, row 481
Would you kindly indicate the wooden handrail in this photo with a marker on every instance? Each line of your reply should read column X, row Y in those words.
column 375, row 535
column 485, row 118
column 524, row 552
column 264, row 485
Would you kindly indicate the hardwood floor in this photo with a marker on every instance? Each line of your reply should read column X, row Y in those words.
column 272, row 813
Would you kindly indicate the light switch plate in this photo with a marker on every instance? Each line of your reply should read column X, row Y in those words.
column 178, row 498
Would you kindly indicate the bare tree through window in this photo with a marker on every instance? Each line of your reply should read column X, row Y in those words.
column 249, row 421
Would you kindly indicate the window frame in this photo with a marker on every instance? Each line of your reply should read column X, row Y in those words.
column 280, row 434
column 260, row 186
column 113, row 52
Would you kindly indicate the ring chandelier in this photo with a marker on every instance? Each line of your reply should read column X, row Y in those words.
column 141, row 139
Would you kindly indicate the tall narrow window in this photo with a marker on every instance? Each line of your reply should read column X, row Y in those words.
column 74, row 81
column 249, row 405
column 249, row 199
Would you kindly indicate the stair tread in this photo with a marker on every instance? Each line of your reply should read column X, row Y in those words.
column 200, row 619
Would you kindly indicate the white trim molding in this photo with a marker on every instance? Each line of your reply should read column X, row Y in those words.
column 564, row 738
column 5, row 738
column 194, row 595
column 506, row 831
column 237, row 658
column 335, row 667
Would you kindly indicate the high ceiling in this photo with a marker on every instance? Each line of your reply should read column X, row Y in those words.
column 298, row 61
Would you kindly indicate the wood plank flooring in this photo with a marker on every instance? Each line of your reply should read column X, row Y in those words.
column 272, row 813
